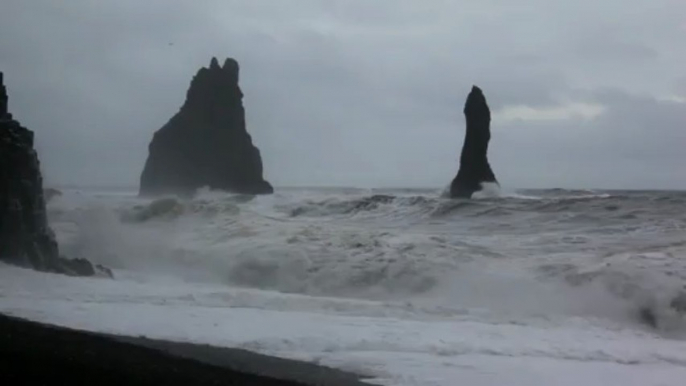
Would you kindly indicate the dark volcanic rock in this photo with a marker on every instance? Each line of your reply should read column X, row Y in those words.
column 70, row 357
column 474, row 167
column 3, row 99
column 206, row 142
column 25, row 237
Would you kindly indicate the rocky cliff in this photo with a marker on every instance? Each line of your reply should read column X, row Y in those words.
column 206, row 143
column 474, row 167
column 25, row 236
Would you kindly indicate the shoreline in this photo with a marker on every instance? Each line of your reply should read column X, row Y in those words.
column 37, row 353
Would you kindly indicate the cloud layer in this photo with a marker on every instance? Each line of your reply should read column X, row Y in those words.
column 362, row 93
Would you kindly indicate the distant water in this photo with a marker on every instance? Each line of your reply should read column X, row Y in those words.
column 605, row 253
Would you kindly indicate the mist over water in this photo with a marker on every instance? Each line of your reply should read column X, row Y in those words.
column 536, row 253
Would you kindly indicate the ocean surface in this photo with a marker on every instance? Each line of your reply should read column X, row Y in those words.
column 547, row 287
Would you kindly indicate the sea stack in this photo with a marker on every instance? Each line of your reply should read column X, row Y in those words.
column 474, row 168
column 3, row 99
column 26, row 239
column 206, row 143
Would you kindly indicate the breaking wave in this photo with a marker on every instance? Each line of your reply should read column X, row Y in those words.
column 598, row 253
column 168, row 208
column 436, row 206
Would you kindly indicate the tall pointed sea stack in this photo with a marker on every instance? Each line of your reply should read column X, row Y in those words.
column 474, row 167
column 206, row 142
column 25, row 236
column 3, row 99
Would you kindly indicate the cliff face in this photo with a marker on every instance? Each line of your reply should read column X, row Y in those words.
column 474, row 167
column 206, row 142
column 25, row 237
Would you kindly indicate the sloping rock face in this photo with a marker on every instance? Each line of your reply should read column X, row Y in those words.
column 206, row 142
column 25, row 237
column 474, row 167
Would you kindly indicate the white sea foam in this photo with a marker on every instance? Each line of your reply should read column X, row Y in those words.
column 417, row 272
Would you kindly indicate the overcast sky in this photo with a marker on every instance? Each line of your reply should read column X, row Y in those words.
column 584, row 93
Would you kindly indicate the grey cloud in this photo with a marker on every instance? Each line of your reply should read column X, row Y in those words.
column 352, row 92
column 637, row 141
column 615, row 51
column 680, row 86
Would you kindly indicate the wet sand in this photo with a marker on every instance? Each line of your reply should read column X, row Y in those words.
column 39, row 354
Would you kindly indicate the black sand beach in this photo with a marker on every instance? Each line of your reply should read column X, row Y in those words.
column 38, row 354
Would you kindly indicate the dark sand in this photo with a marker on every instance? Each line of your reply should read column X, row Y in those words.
column 37, row 354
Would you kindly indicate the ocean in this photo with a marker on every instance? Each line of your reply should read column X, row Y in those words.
column 405, row 286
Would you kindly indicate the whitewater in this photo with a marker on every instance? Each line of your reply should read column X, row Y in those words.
column 403, row 286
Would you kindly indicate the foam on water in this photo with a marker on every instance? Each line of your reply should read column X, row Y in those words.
column 402, row 285
column 544, row 253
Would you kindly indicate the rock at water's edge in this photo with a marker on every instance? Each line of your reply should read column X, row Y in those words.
column 49, row 193
column 474, row 167
column 25, row 236
column 206, row 143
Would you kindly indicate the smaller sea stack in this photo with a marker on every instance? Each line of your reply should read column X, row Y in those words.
column 206, row 143
column 25, row 237
column 3, row 99
column 474, row 168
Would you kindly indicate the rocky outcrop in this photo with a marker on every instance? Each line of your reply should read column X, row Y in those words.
column 4, row 111
column 474, row 168
column 25, row 236
column 206, row 142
